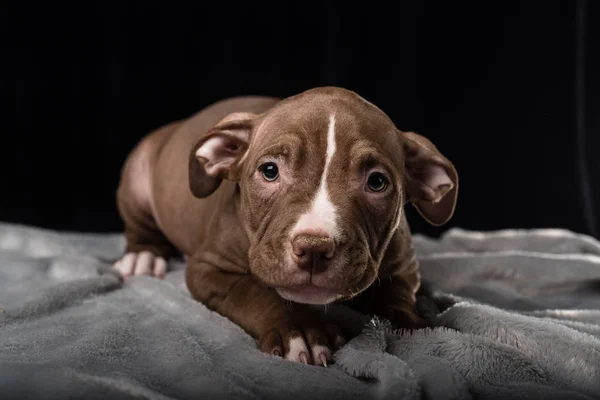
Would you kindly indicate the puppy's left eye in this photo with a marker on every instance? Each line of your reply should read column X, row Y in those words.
column 377, row 182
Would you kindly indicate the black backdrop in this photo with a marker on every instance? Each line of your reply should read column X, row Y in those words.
column 492, row 84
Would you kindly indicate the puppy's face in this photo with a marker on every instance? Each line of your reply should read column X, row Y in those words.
column 323, row 178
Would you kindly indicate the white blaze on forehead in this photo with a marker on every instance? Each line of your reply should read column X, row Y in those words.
column 322, row 215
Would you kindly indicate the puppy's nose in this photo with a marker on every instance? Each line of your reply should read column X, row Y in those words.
column 313, row 251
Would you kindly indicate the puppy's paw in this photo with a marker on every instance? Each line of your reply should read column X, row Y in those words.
column 142, row 263
column 308, row 343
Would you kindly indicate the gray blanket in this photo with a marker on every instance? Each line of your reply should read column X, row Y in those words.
column 519, row 317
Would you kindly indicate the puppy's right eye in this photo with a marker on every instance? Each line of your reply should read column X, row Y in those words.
column 269, row 171
column 377, row 182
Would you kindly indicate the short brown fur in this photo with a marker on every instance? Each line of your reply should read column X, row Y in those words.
column 235, row 231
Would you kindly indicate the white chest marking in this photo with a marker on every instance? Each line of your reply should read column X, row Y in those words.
column 322, row 215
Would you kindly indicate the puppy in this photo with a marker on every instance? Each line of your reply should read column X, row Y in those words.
column 282, row 204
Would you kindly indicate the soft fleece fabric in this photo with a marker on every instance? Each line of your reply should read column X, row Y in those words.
column 517, row 315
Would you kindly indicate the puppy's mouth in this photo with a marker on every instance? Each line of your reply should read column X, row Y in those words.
column 308, row 294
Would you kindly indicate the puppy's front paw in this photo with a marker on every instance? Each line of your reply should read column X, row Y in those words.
column 306, row 342
column 142, row 263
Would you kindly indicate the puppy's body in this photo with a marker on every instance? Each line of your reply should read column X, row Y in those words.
column 154, row 191
column 195, row 187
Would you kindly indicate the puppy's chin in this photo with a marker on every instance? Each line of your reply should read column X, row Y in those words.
column 308, row 294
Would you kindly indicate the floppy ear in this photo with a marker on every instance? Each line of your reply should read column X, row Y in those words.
column 215, row 156
column 431, row 180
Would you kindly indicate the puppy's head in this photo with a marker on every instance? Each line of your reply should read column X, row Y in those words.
column 323, row 179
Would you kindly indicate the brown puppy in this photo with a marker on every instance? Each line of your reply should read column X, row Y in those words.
column 283, row 203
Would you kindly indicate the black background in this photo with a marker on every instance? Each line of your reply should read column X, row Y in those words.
column 492, row 84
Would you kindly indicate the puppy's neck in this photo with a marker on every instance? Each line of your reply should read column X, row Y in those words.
column 400, row 258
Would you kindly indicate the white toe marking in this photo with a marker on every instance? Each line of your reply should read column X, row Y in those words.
column 144, row 263
column 317, row 351
column 323, row 213
column 296, row 346
column 125, row 265
column 160, row 267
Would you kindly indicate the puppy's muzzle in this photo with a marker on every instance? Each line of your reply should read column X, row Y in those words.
column 314, row 252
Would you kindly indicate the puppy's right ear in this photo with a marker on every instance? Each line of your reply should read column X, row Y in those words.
column 215, row 156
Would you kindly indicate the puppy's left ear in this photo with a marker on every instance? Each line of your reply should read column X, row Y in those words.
column 430, row 178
